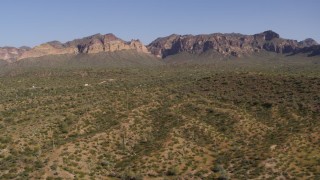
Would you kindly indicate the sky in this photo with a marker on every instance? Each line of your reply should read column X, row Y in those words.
column 32, row 22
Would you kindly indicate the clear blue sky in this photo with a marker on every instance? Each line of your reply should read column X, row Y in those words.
column 31, row 22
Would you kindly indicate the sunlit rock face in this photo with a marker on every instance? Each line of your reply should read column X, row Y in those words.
column 232, row 44
column 89, row 45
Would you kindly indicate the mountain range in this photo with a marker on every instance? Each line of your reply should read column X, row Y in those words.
column 229, row 44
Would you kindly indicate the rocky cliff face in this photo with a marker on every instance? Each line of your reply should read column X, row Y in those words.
column 106, row 43
column 310, row 50
column 226, row 44
column 232, row 44
column 88, row 45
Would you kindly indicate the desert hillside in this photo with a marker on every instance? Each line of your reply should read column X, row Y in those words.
column 227, row 120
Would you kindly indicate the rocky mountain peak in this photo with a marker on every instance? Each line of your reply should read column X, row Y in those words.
column 308, row 42
column 269, row 35
column 110, row 37
column 56, row 44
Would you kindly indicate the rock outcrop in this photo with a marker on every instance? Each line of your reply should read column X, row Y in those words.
column 310, row 50
column 232, row 44
column 106, row 43
column 308, row 43
column 88, row 45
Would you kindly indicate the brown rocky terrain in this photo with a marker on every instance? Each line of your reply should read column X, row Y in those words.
column 50, row 48
column 228, row 44
column 232, row 44
column 311, row 50
column 88, row 45
column 105, row 43
column 308, row 42
column 11, row 53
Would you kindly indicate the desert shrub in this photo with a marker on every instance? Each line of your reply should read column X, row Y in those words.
column 172, row 171
column 5, row 139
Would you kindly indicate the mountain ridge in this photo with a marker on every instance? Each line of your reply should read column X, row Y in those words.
column 88, row 45
column 226, row 44
column 233, row 44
